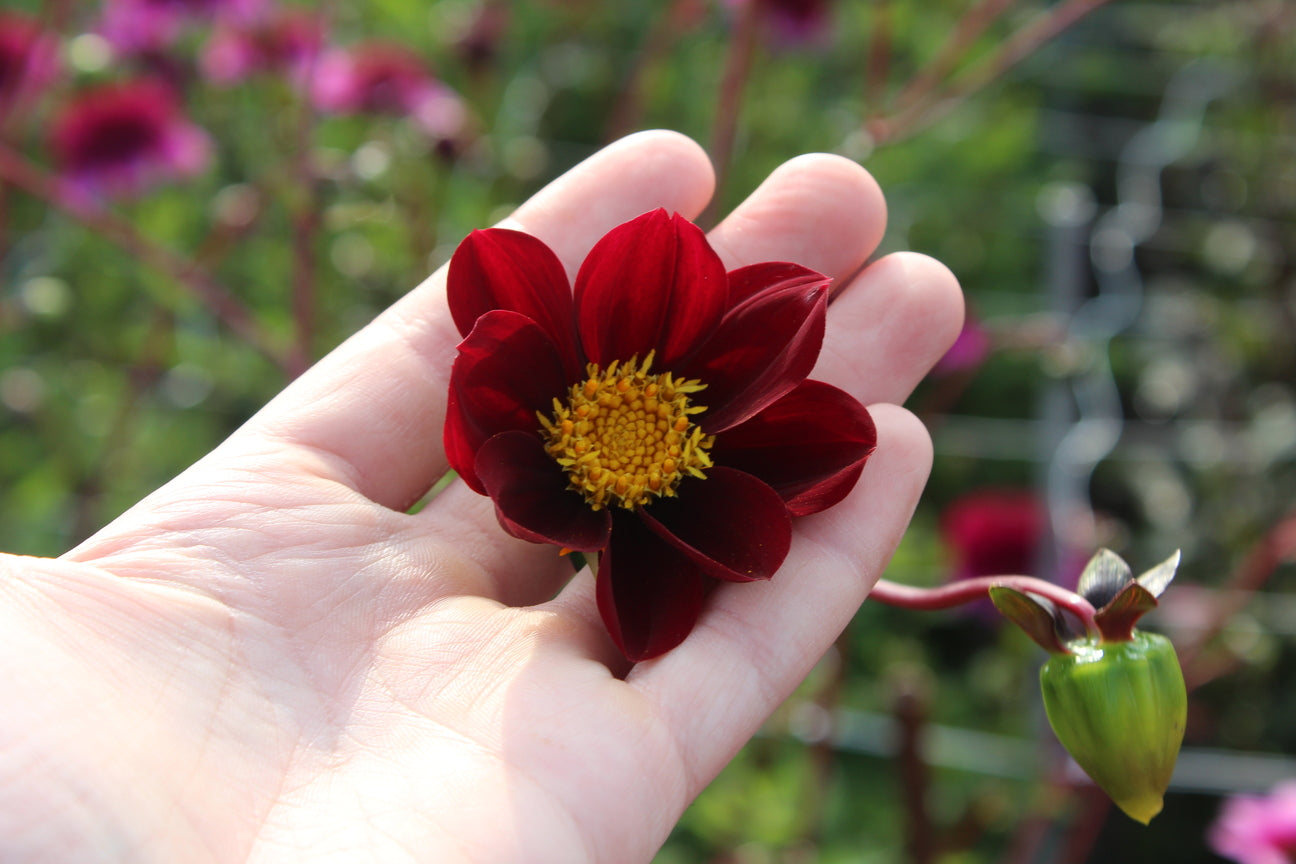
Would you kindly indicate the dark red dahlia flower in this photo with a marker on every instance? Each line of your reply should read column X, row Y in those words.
column 659, row 416
column 994, row 532
column 120, row 138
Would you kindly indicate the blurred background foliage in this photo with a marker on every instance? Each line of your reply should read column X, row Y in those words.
column 1118, row 202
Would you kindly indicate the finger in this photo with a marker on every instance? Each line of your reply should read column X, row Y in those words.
column 888, row 326
column 757, row 641
column 819, row 211
column 373, row 409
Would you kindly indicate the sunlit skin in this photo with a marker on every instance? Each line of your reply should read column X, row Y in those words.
column 270, row 659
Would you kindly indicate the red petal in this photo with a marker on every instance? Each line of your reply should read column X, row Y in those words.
column 649, row 594
column 650, row 284
column 733, row 525
column 506, row 371
column 501, row 269
column 531, row 497
column 810, row 446
column 747, row 282
column 762, row 349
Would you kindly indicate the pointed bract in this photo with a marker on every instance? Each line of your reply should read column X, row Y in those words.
column 1032, row 615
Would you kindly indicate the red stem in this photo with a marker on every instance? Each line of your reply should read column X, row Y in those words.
column 878, row 66
column 967, row 590
column 625, row 116
column 305, row 228
column 1014, row 49
column 742, row 47
column 965, row 33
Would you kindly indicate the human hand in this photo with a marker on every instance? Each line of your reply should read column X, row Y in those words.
column 270, row 659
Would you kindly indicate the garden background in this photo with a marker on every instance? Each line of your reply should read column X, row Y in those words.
column 1113, row 183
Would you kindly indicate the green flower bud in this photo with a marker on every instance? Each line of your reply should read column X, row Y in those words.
column 1119, row 708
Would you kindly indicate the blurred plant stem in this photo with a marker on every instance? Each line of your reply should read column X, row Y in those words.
column 878, row 65
column 957, row 44
column 932, row 92
column 1278, row 545
column 738, row 61
column 305, row 232
column 96, row 475
column 201, row 285
column 675, row 17
column 910, row 707
column 306, row 221
column 420, row 201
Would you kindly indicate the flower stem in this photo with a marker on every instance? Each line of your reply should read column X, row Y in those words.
column 931, row 95
column 967, row 590
column 738, row 62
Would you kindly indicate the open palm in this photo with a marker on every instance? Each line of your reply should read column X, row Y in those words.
column 271, row 659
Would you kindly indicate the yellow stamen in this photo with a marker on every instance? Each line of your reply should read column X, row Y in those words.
column 625, row 435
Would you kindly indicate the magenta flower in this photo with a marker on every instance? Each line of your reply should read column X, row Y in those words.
column 794, row 22
column 137, row 26
column 969, row 350
column 993, row 533
column 286, row 42
column 28, row 60
column 388, row 78
column 118, row 139
column 1252, row 829
column 660, row 417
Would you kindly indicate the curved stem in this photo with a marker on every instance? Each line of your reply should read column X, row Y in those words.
column 962, row 591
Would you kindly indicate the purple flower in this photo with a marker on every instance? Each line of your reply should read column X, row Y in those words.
column 118, row 139
column 288, row 42
column 137, row 26
column 794, row 22
column 968, row 351
column 1253, row 829
column 28, row 60
column 388, row 78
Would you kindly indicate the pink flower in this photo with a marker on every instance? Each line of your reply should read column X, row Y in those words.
column 993, row 533
column 28, row 60
column 117, row 139
column 287, row 42
column 968, row 351
column 1252, row 829
column 144, row 25
column 388, row 78
column 794, row 22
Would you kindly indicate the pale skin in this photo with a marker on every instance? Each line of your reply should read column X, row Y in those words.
column 269, row 659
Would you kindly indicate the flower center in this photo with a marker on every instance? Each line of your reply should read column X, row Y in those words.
column 624, row 435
